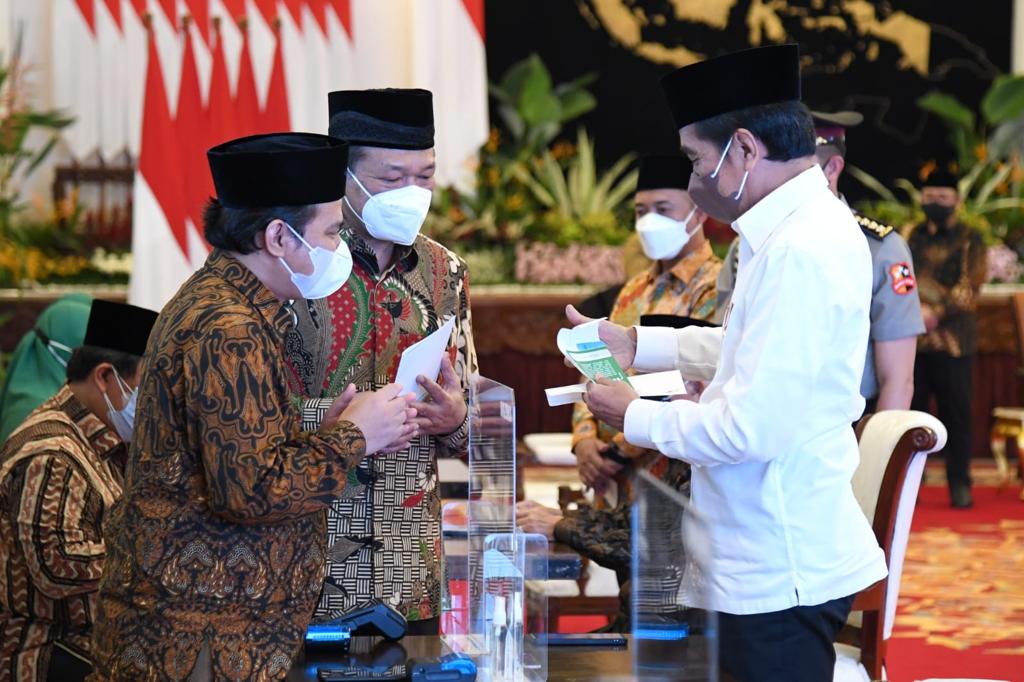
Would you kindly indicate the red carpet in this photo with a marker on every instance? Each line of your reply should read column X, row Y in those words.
column 962, row 598
column 961, row 610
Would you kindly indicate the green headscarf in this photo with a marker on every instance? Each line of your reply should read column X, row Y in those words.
column 34, row 373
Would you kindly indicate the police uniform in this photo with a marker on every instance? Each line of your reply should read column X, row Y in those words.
column 895, row 306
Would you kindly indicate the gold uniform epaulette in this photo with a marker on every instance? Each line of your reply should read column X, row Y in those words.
column 873, row 228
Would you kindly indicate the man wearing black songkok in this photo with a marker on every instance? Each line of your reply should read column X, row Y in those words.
column 770, row 437
column 71, row 448
column 216, row 552
column 385, row 533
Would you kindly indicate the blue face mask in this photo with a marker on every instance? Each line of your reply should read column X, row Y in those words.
column 123, row 419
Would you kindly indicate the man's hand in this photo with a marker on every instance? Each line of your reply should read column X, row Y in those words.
column 595, row 471
column 694, row 389
column 621, row 341
column 931, row 320
column 607, row 400
column 339, row 405
column 536, row 518
column 385, row 417
column 446, row 409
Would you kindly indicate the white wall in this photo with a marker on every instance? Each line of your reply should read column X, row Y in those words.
column 1017, row 48
column 29, row 20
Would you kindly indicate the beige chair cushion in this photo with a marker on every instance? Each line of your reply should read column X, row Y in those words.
column 880, row 437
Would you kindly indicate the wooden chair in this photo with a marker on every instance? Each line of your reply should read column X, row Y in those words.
column 1008, row 421
column 894, row 446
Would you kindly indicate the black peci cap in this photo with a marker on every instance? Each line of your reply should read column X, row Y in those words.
column 940, row 177
column 119, row 327
column 663, row 171
column 394, row 118
column 734, row 81
column 279, row 169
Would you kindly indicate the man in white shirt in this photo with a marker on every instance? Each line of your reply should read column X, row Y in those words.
column 770, row 439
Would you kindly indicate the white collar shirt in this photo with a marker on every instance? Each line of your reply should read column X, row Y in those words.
column 770, row 440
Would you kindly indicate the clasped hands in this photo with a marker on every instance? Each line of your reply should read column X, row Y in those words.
column 390, row 421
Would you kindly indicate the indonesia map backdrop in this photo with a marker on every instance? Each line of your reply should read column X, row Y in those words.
column 876, row 57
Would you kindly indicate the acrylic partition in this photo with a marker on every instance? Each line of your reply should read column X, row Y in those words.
column 672, row 639
column 514, row 626
column 486, row 561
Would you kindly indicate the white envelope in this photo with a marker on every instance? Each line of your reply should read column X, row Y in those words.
column 655, row 383
column 423, row 357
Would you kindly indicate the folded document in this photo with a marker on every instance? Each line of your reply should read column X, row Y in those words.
column 646, row 385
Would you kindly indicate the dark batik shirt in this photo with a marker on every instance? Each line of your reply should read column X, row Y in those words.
column 605, row 535
column 951, row 267
column 60, row 472
column 219, row 537
column 385, row 531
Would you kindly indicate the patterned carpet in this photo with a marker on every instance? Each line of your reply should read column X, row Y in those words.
column 961, row 610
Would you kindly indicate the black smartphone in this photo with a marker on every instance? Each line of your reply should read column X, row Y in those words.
column 585, row 639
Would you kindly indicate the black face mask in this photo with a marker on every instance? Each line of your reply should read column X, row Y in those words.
column 937, row 213
column 706, row 193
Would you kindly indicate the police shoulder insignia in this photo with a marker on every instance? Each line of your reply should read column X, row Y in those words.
column 902, row 278
column 872, row 227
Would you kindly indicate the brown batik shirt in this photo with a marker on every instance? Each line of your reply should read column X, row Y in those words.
column 384, row 532
column 60, row 471
column 605, row 534
column 218, row 540
column 950, row 267
column 688, row 289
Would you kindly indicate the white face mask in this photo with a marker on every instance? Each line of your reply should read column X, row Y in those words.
column 123, row 419
column 662, row 237
column 395, row 215
column 53, row 347
column 330, row 270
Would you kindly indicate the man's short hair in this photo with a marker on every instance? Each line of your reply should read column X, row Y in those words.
column 356, row 154
column 85, row 359
column 235, row 229
column 824, row 152
column 786, row 128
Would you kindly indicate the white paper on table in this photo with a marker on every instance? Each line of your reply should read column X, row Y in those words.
column 423, row 357
column 646, row 385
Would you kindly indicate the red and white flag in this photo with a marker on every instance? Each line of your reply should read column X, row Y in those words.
column 340, row 52
column 246, row 105
column 190, row 129
column 160, row 243
column 113, row 74
column 449, row 59
column 76, row 73
column 275, row 117
column 135, row 81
